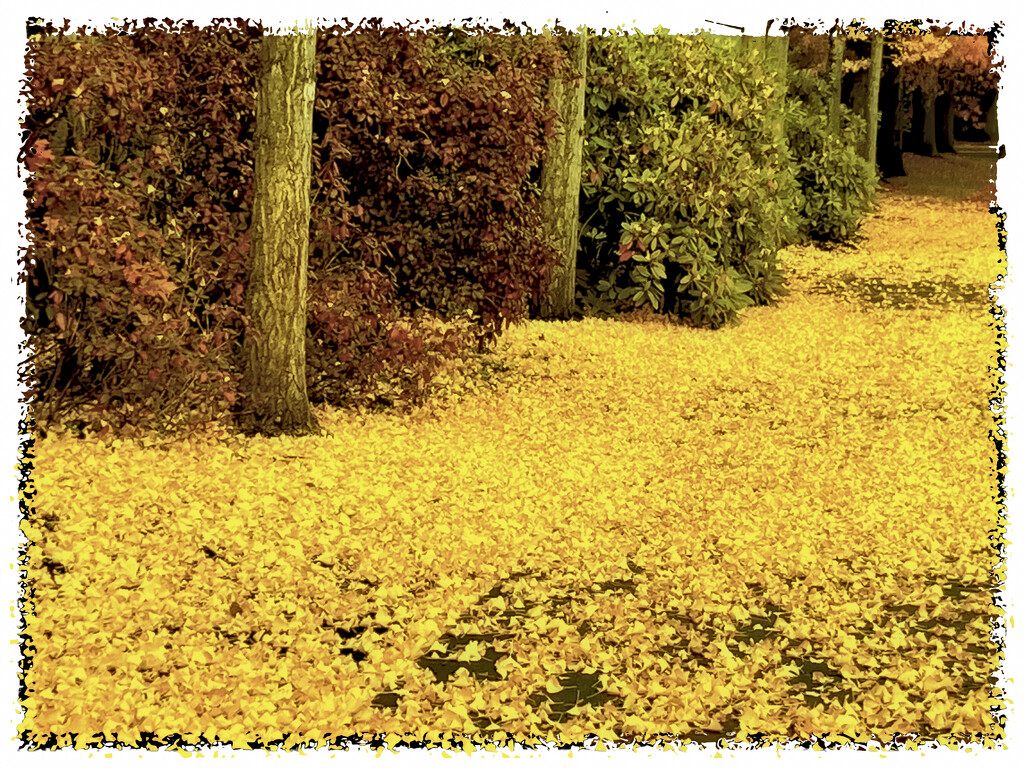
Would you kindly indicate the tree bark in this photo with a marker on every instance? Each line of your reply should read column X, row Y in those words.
column 944, row 123
column 777, row 60
column 275, row 342
column 837, row 50
column 922, row 123
column 929, row 145
column 560, row 182
column 869, row 147
column 890, row 146
column 992, row 119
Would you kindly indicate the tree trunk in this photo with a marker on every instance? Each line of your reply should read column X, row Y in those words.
column 834, row 73
column 992, row 119
column 913, row 137
column 751, row 43
column 275, row 342
column 560, row 182
column 944, row 123
column 859, row 94
column 777, row 60
column 922, row 124
column 869, row 147
column 928, row 143
column 890, row 147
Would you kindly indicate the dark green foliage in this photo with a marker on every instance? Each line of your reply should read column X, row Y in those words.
column 684, row 198
column 837, row 187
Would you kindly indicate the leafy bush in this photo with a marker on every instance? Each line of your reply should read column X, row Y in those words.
column 961, row 65
column 837, row 187
column 359, row 350
column 112, row 327
column 423, row 152
column 684, row 201
column 140, row 196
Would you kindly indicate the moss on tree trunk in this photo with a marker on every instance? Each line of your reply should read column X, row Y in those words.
column 869, row 147
column 560, row 182
column 834, row 73
column 776, row 51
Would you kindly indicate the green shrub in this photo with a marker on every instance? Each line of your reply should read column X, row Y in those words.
column 684, row 199
column 837, row 187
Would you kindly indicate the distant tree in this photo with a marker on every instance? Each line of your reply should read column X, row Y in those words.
column 949, row 75
column 275, row 342
column 970, row 76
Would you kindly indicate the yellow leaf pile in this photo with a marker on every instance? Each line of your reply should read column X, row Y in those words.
column 780, row 528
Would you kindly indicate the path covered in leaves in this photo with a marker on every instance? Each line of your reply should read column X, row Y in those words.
column 634, row 528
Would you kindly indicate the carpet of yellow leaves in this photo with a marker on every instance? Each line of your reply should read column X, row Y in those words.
column 779, row 528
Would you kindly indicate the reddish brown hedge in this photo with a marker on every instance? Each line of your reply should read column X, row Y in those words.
column 140, row 147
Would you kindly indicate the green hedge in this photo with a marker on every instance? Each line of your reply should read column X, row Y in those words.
column 837, row 187
column 686, row 194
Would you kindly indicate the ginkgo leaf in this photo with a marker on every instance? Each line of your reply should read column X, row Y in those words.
column 782, row 526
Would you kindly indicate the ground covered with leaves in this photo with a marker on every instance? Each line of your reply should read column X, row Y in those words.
column 629, row 529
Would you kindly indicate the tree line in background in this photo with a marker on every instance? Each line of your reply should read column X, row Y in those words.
column 470, row 176
column 936, row 83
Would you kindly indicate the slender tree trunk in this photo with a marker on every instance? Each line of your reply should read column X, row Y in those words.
column 890, row 148
column 859, row 95
column 869, row 147
column 560, row 182
column 944, row 123
column 928, row 142
column 777, row 60
column 922, row 123
column 992, row 119
column 837, row 50
column 275, row 343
